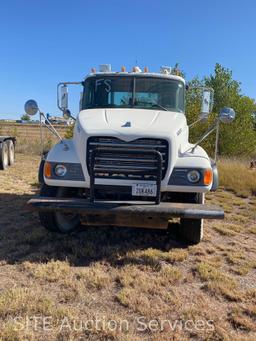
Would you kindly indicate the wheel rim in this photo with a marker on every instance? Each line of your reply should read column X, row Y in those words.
column 66, row 221
column 11, row 153
column 5, row 156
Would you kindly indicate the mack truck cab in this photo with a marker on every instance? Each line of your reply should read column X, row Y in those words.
column 130, row 162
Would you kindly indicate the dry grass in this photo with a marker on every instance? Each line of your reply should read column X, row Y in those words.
column 227, row 229
column 29, row 147
column 124, row 274
column 243, row 318
column 154, row 257
column 253, row 230
column 53, row 271
column 23, row 301
column 218, row 282
column 241, row 265
column 236, row 176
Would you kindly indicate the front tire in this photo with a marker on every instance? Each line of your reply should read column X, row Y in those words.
column 41, row 169
column 192, row 230
column 4, row 160
column 60, row 222
column 41, row 172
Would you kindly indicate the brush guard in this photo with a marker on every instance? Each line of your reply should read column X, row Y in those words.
column 154, row 155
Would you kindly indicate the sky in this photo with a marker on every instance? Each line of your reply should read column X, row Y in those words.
column 45, row 42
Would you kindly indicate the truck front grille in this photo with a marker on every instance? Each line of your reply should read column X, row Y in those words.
column 124, row 165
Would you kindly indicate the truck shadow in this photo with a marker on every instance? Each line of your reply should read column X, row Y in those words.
column 22, row 238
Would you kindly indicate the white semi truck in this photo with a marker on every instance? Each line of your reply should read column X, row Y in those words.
column 129, row 162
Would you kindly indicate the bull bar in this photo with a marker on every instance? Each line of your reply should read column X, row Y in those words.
column 128, row 214
column 135, row 214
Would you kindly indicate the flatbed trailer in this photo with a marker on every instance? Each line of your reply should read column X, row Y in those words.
column 7, row 151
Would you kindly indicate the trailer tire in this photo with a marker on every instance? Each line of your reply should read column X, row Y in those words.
column 11, row 152
column 57, row 221
column 192, row 230
column 4, row 156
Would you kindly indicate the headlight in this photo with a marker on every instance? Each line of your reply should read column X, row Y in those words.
column 60, row 170
column 193, row 176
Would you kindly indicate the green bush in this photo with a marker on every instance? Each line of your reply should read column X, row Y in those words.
column 70, row 131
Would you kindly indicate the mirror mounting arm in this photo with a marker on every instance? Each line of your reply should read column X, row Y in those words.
column 49, row 126
column 207, row 133
column 195, row 122
column 227, row 115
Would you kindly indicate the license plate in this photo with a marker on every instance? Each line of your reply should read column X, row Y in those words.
column 144, row 190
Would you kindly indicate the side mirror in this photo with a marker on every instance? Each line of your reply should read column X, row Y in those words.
column 227, row 115
column 207, row 103
column 64, row 97
column 31, row 107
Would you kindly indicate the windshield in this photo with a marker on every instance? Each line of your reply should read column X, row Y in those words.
column 133, row 92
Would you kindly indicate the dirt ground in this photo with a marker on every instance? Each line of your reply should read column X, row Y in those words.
column 123, row 284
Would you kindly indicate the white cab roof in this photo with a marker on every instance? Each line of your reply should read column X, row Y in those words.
column 136, row 74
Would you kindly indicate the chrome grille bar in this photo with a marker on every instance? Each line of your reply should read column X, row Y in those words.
column 123, row 159
column 124, row 165
column 128, row 145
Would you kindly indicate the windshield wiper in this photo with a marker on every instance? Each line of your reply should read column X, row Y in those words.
column 159, row 105
column 151, row 103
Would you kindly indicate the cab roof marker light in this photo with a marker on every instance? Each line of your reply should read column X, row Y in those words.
column 93, row 70
column 136, row 69
column 123, row 69
column 146, row 69
column 105, row 68
column 167, row 70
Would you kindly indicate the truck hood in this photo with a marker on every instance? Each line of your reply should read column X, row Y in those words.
column 128, row 123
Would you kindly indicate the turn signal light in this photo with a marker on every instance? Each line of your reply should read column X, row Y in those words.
column 47, row 170
column 207, row 177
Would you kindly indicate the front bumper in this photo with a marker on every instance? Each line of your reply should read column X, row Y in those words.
column 126, row 214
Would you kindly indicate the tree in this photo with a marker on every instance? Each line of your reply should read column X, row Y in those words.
column 227, row 91
column 237, row 138
column 25, row 117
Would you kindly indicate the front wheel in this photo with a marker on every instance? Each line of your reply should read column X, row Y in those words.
column 192, row 230
column 62, row 222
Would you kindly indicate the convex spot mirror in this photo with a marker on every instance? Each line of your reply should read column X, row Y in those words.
column 227, row 115
column 31, row 107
